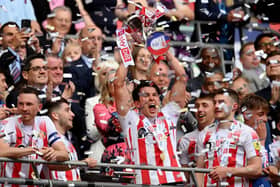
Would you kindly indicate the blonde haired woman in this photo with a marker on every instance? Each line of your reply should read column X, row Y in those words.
column 97, row 147
column 107, row 122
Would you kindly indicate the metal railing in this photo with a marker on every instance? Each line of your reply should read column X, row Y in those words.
column 70, row 164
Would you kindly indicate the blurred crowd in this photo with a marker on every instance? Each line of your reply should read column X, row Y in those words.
column 84, row 80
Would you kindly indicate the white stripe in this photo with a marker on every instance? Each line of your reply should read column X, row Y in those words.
column 136, row 159
column 150, row 152
column 167, row 162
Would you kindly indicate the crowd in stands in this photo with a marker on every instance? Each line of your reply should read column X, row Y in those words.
column 68, row 92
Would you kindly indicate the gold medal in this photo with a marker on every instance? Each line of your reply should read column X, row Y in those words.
column 162, row 156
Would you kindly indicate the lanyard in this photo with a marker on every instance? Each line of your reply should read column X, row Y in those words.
column 157, row 132
column 222, row 149
column 33, row 139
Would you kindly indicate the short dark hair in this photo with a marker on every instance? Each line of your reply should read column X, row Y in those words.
column 259, row 37
column 52, row 106
column 29, row 90
column 203, row 95
column 27, row 61
column 232, row 94
column 254, row 102
column 143, row 83
column 6, row 24
column 2, row 71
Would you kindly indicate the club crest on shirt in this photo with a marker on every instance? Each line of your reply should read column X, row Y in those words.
column 257, row 145
column 142, row 133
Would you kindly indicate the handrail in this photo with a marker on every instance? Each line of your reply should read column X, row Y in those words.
column 50, row 183
column 84, row 164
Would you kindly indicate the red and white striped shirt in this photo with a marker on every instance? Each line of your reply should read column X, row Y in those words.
column 229, row 148
column 70, row 175
column 187, row 145
column 42, row 134
column 153, row 144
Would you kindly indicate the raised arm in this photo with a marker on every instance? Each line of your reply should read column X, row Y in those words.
column 84, row 14
column 121, row 12
column 122, row 94
column 178, row 93
column 182, row 10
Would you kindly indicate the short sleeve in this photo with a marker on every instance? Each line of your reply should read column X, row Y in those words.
column 252, row 145
column 131, row 119
column 51, row 131
column 183, row 147
column 200, row 140
column 171, row 111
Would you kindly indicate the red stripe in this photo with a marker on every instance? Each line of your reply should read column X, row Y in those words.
column 143, row 156
column 131, row 145
column 232, row 159
column 206, row 139
column 174, row 163
column 161, row 174
column 56, row 174
column 69, row 175
column 191, row 149
column 17, row 166
column 43, row 128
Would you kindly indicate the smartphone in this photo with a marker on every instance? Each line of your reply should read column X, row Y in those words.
column 26, row 25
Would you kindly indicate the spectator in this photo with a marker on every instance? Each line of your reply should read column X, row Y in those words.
column 161, row 74
column 79, row 69
column 205, row 116
column 107, row 122
column 58, row 27
column 226, row 13
column 44, row 8
column 211, row 62
column 4, row 111
column 10, row 61
column 103, row 68
column 252, row 69
column 142, row 59
column 146, row 100
column 3, row 88
column 241, row 86
column 265, row 42
column 16, row 11
column 34, row 74
column 62, row 117
column 271, row 92
column 224, row 137
column 214, row 81
column 102, row 15
column 255, row 109
column 72, row 52
column 24, row 140
column 91, row 38
column 15, row 48
column 273, row 73
column 62, row 20
column 55, row 78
